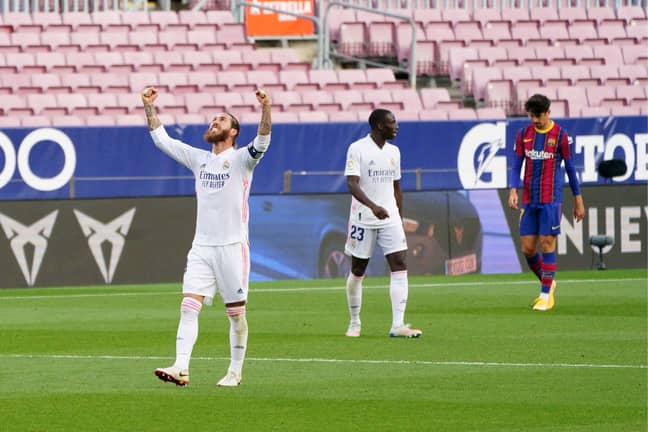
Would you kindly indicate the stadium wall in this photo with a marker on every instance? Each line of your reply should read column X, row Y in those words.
column 136, row 220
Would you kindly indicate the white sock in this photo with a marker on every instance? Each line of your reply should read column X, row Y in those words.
column 544, row 296
column 238, row 339
column 398, row 290
column 354, row 296
column 187, row 331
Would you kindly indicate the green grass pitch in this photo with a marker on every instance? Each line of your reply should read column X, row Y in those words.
column 82, row 358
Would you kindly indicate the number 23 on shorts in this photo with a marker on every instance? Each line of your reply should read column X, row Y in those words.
column 357, row 233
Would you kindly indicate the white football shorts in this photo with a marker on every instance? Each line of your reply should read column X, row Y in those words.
column 223, row 268
column 361, row 240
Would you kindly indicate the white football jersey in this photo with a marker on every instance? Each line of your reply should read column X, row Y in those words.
column 378, row 169
column 222, row 188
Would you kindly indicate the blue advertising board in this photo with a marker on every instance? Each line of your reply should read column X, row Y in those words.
column 94, row 162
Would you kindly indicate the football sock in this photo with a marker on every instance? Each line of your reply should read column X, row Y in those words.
column 354, row 296
column 548, row 270
column 398, row 290
column 238, row 337
column 535, row 264
column 187, row 331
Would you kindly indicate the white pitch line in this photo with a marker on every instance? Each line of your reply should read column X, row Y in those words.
column 325, row 360
column 324, row 288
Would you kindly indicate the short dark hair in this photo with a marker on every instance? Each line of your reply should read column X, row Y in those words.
column 537, row 104
column 378, row 116
column 235, row 125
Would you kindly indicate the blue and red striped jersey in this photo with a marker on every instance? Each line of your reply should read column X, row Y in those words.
column 544, row 151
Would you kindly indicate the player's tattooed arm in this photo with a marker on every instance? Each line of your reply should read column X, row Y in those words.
column 265, row 125
column 148, row 98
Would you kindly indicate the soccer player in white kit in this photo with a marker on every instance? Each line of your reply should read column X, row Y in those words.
column 219, row 259
column 373, row 176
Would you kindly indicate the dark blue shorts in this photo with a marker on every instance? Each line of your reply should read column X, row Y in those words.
column 540, row 219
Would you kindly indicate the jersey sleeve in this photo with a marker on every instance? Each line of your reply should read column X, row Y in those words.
column 397, row 168
column 353, row 161
column 176, row 149
column 254, row 151
column 518, row 158
column 570, row 168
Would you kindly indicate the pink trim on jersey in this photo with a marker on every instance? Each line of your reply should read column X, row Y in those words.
column 244, row 267
column 244, row 212
column 191, row 303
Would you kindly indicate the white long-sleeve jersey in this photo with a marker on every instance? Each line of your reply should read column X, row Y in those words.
column 222, row 187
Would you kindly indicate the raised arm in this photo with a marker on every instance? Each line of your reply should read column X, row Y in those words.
column 149, row 95
column 265, row 125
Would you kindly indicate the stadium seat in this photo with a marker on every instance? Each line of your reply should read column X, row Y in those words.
column 352, row 39
column 343, row 116
column 356, row 78
column 312, row 117
column 480, row 78
column 490, row 113
column 117, row 82
column 572, row 14
column 497, row 31
column 348, row 97
column 576, row 98
column 321, row 100
column 379, row 98
column 596, row 94
column 35, row 121
column 107, row 19
column 457, row 57
column 408, row 97
column 638, row 29
column 326, row 78
column 383, row 78
column 486, row 15
column 430, row 97
column 595, row 111
column 432, row 115
column 101, row 120
column 67, row 120
column 634, row 54
column 137, row 20
column 599, row 14
column 381, row 41
column 462, row 114
column 294, row 79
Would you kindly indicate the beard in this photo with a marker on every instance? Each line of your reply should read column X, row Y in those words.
column 215, row 136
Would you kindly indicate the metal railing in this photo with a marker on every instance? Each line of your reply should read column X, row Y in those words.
column 237, row 8
column 409, row 19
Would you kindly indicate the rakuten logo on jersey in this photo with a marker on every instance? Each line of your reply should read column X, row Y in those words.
column 478, row 162
column 538, row 154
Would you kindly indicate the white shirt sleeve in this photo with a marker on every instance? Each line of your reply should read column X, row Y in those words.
column 176, row 149
column 397, row 173
column 255, row 150
column 353, row 162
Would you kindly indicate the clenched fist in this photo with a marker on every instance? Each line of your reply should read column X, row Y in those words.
column 263, row 97
column 149, row 94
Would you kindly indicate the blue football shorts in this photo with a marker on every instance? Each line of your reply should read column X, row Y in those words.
column 540, row 219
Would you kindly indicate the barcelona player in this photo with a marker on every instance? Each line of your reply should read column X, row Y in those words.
column 543, row 146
